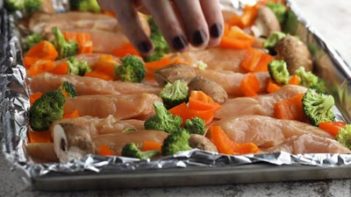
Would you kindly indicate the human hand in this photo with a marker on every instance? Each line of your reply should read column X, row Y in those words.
column 198, row 22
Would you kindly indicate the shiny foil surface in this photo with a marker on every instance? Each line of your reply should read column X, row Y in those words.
column 14, row 105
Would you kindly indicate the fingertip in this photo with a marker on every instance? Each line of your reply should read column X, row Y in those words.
column 179, row 43
column 144, row 47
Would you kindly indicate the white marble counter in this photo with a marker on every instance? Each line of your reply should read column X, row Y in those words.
column 332, row 19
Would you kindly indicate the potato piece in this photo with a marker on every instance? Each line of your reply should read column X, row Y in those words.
column 202, row 143
column 175, row 72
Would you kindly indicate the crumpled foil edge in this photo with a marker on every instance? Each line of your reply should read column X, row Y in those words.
column 14, row 105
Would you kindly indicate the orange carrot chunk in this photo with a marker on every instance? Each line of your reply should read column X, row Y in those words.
column 99, row 75
column 290, row 109
column 34, row 97
column 151, row 145
column 332, row 128
column 61, row 69
column 272, row 86
column 39, row 136
column 126, row 49
column 250, row 86
column 151, row 67
column 44, row 50
column 84, row 41
column 294, row 80
column 74, row 114
column 105, row 150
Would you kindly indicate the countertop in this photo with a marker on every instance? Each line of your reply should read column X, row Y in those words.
column 332, row 19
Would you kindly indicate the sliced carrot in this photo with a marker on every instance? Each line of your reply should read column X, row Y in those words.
column 152, row 67
column 232, row 43
column 251, row 60
column 290, row 109
column 105, row 150
column 39, row 136
column 151, row 145
column 294, row 80
column 180, row 110
column 34, row 97
column 84, row 41
column 74, row 114
column 198, row 100
column 41, row 66
column 249, row 16
column 235, row 20
column 106, row 64
column 206, row 115
column 226, row 146
column 262, row 65
column 250, row 85
column 99, row 75
column 44, row 50
column 221, row 140
column 126, row 49
column 61, row 69
column 332, row 128
column 272, row 86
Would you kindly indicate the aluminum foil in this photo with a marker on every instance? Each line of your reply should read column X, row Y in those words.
column 14, row 105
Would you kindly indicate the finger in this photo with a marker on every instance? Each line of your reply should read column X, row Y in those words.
column 128, row 19
column 194, row 21
column 214, row 18
column 165, row 17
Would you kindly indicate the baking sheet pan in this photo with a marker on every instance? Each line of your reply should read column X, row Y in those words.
column 189, row 168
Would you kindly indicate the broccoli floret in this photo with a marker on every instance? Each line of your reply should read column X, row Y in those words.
column 279, row 11
column 85, row 5
column 318, row 107
column 46, row 110
column 310, row 80
column 195, row 126
column 78, row 67
column 32, row 5
column 131, row 150
column 176, row 142
column 175, row 93
column 68, row 89
column 160, row 45
column 64, row 48
column 131, row 70
column 344, row 136
column 278, row 71
column 31, row 40
column 163, row 120
column 273, row 39
column 14, row 5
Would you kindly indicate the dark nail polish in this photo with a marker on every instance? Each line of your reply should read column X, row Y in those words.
column 144, row 47
column 215, row 30
column 179, row 43
column 198, row 38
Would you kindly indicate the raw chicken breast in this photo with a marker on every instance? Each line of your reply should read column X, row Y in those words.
column 266, row 132
column 88, row 86
column 260, row 105
column 309, row 143
column 215, row 58
column 138, row 106
column 77, row 137
column 230, row 81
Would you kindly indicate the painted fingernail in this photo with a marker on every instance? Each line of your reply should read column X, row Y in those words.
column 144, row 47
column 198, row 38
column 179, row 42
column 216, row 30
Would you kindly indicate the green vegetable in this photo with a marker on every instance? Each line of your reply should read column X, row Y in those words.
column 163, row 120
column 68, row 89
column 23, row 5
column 31, row 40
column 344, row 136
column 131, row 150
column 176, row 142
column 175, row 93
column 32, row 5
column 78, row 67
column 318, row 107
column 85, row 5
column 160, row 45
column 310, row 80
column 64, row 48
column 131, row 70
column 279, row 11
column 195, row 126
column 46, row 110
column 278, row 71
column 273, row 39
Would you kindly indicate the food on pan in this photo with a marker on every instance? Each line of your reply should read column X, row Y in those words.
column 91, row 92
